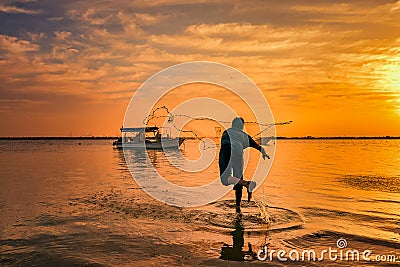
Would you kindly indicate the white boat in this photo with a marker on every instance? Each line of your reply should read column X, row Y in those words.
column 146, row 138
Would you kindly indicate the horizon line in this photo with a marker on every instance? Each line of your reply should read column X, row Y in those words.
column 277, row 137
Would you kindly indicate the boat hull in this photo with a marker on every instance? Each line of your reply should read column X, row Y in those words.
column 164, row 144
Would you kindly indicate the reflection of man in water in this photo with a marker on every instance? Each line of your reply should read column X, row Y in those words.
column 233, row 142
column 236, row 252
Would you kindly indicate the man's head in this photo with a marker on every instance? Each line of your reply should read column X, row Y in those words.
column 238, row 123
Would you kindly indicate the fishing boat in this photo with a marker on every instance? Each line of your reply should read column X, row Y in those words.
column 146, row 137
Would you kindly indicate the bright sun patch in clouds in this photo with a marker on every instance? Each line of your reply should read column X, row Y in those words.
column 389, row 74
column 392, row 77
column 391, row 80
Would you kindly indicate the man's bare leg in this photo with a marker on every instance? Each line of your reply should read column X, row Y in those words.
column 238, row 196
column 234, row 180
column 250, row 185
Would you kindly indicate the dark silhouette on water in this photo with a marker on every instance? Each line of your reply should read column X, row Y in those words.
column 236, row 252
column 233, row 141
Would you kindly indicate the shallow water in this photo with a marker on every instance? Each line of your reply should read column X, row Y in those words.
column 73, row 205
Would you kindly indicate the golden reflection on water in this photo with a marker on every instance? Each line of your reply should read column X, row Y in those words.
column 340, row 185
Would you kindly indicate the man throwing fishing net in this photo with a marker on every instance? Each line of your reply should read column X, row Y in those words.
column 233, row 141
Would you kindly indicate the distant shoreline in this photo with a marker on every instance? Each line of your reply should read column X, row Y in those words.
column 59, row 138
column 278, row 137
column 339, row 137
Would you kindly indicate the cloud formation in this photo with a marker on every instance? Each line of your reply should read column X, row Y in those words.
column 305, row 56
column 9, row 7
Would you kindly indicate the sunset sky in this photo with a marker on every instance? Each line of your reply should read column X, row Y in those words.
column 71, row 67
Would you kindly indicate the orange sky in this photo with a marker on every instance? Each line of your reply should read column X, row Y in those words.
column 71, row 67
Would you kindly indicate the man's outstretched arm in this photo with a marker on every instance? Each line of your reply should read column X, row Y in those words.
column 255, row 145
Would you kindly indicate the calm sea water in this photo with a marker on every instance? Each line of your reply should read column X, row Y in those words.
column 73, row 204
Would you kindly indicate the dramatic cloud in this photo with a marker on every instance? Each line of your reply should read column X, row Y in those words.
column 14, row 45
column 9, row 8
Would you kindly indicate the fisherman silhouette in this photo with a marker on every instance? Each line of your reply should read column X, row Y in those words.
column 233, row 141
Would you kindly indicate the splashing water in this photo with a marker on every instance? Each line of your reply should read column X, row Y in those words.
column 262, row 208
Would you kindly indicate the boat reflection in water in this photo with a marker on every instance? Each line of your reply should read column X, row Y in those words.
column 146, row 137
